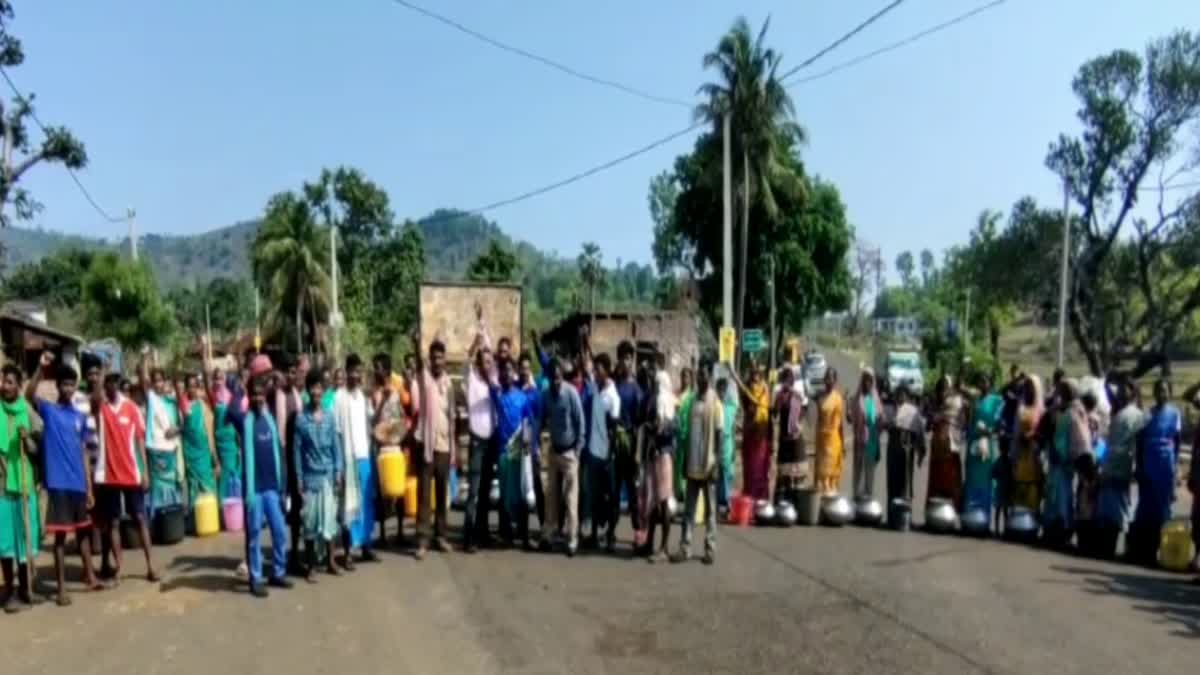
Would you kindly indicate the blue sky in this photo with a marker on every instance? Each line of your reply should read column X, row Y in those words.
column 195, row 113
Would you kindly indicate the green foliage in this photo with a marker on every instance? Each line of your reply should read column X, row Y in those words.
column 1137, row 113
column 763, row 132
column 496, row 265
column 120, row 300
column 808, row 238
column 289, row 266
column 58, row 145
column 230, row 306
column 906, row 268
column 56, row 280
column 395, row 267
column 591, row 271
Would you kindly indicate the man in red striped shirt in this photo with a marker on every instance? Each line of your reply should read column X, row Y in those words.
column 120, row 480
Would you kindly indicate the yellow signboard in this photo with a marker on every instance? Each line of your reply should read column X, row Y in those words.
column 728, row 344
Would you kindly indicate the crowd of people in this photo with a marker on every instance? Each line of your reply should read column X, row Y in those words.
column 1072, row 456
column 298, row 446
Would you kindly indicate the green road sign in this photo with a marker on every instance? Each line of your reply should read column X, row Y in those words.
column 753, row 341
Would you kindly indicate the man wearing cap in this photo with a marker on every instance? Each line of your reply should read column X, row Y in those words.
column 263, row 481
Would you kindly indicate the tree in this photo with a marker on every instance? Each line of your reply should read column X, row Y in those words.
column 396, row 267
column 58, row 146
column 928, row 266
column 120, row 299
column 764, row 132
column 496, row 265
column 985, row 268
column 229, row 304
column 358, row 209
column 906, row 267
column 1135, row 112
column 671, row 250
column 56, row 280
column 865, row 263
column 591, row 272
column 288, row 263
column 809, row 239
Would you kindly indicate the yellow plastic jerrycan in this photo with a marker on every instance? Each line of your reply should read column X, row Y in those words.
column 393, row 474
column 208, row 520
column 410, row 497
column 1175, row 548
column 700, row 513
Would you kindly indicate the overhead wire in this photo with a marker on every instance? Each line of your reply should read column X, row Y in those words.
column 71, row 172
column 544, row 60
column 683, row 132
column 899, row 43
column 842, row 40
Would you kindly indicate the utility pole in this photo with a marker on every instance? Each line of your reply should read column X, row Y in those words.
column 774, row 339
column 727, row 226
column 131, row 216
column 966, row 331
column 257, row 332
column 1062, row 280
column 207, row 336
column 335, row 316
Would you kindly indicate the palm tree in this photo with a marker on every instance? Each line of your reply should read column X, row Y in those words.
column 289, row 262
column 762, row 125
column 591, row 270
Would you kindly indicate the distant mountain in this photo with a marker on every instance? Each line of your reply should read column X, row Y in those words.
column 177, row 260
column 452, row 240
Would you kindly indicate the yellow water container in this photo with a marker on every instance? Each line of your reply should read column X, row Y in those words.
column 699, row 509
column 410, row 497
column 208, row 519
column 1175, row 548
column 393, row 474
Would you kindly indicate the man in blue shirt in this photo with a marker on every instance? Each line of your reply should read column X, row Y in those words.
column 624, row 451
column 514, row 430
column 67, row 475
column 562, row 414
column 262, row 484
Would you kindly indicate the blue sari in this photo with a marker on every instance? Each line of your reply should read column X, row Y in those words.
column 988, row 414
column 1156, row 473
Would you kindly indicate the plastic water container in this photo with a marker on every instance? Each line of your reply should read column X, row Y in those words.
column 208, row 519
column 1175, row 548
column 393, row 474
column 410, row 497
column 234, row 513
column 742, row 511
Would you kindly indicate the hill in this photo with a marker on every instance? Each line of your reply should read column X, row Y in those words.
column 452, row 240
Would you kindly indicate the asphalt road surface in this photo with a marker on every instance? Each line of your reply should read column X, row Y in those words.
column 798, row 600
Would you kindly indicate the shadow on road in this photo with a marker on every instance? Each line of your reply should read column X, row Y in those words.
column 1173, row 600
column 195, row 563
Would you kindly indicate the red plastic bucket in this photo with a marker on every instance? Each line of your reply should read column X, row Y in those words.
column 742, row 511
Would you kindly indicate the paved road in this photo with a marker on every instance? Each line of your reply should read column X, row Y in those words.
column 803, row 600
column 814, row 600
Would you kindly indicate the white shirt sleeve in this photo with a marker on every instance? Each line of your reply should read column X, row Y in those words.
column 613, row 402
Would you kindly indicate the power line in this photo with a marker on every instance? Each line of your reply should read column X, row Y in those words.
column 572, row 179
column 900, row 43
column 666, row 139
column 840, row 41
column 546, row 61
column 74, row 177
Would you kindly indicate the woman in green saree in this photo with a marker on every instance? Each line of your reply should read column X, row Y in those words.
column 201, row 466
column 981, row 448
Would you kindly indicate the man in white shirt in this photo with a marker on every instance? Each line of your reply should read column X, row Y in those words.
column 601, row 417
column 483, row 451
column 353, row 416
